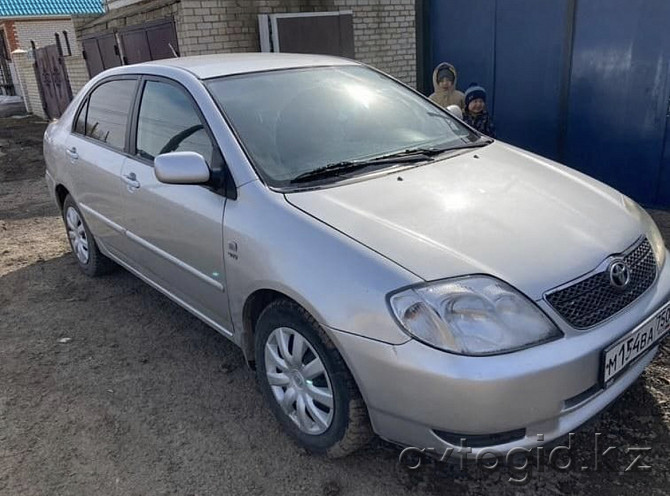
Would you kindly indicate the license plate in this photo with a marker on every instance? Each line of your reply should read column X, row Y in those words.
column 626, row 350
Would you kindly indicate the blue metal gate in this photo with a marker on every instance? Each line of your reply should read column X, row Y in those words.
column 586, row 82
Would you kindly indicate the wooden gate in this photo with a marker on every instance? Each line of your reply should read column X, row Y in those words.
column 137, row 43
column 52, row 80
column 149, row 41
column 101, row 52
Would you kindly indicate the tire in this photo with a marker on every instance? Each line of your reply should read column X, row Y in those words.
column 84, row 248
column 335, row 428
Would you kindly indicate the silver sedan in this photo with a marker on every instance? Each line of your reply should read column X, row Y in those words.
column 384, row 267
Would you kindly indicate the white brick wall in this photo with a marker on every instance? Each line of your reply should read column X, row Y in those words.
column 76, row 72
column 385, row 35
column 42, row 33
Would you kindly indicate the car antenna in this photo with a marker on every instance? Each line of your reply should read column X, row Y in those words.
column 174, row 52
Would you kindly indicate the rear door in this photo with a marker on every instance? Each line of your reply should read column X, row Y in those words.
column 176, row 230
column 95, row 155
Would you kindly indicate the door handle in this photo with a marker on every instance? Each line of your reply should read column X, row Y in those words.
column 72, row 153
column 131, row 180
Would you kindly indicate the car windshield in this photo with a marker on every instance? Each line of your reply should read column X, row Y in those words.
column 294, row 121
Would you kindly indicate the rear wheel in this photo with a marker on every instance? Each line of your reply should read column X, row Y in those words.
column 306, row 382
column 89, row 258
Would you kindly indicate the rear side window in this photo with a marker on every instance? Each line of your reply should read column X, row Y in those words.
column 106, row 113
column 168, row 122
column 80, row 127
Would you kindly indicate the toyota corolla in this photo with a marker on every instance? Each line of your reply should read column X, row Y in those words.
column 384, row 267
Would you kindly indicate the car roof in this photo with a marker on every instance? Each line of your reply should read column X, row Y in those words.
column 209, row 66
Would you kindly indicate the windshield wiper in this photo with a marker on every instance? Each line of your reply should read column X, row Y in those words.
column 436, row 150
column 338, row 168
column 483, row 141
column 410, row 155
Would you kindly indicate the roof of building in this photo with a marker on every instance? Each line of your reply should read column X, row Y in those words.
column 209, row 66
column 31, row 8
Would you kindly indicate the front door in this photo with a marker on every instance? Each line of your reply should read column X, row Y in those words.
column 176, row 230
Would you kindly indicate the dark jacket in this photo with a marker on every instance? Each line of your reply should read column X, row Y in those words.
column 481, row 122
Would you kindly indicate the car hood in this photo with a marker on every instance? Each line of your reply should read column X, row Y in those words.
column 497, row 210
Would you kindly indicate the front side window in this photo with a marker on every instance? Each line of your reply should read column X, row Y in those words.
column 168, row 122
column 107, row 114
column 297, row 120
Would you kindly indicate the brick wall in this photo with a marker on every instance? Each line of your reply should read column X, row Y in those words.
column 216, row 26
column 42, row 32
column 384, row 30
column 385, row 35
column 76, row 72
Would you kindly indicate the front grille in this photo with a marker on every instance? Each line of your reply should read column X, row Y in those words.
column 594, row 299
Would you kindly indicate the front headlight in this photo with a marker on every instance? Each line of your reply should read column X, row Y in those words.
column 472, row 315
column 656, row 240
column 651, row 229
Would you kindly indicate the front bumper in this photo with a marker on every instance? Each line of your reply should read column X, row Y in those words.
column 414, row 391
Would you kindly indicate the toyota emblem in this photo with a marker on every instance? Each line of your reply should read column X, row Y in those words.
column 619, row 274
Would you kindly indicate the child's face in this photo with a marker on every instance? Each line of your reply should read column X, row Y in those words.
column 476, row 106
column 445, row 84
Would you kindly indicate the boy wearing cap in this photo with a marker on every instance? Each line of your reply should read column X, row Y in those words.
column 444, row 83
column 475, row 112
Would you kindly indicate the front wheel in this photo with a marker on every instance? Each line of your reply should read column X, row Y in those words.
column 306, row 382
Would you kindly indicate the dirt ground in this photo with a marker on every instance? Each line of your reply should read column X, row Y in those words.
column 107, row 387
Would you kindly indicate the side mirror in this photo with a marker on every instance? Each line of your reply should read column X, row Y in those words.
column 456, row 111
column 181, row 168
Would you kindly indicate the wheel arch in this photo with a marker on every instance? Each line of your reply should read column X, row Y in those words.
column 254, row 305
column 61, row 193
